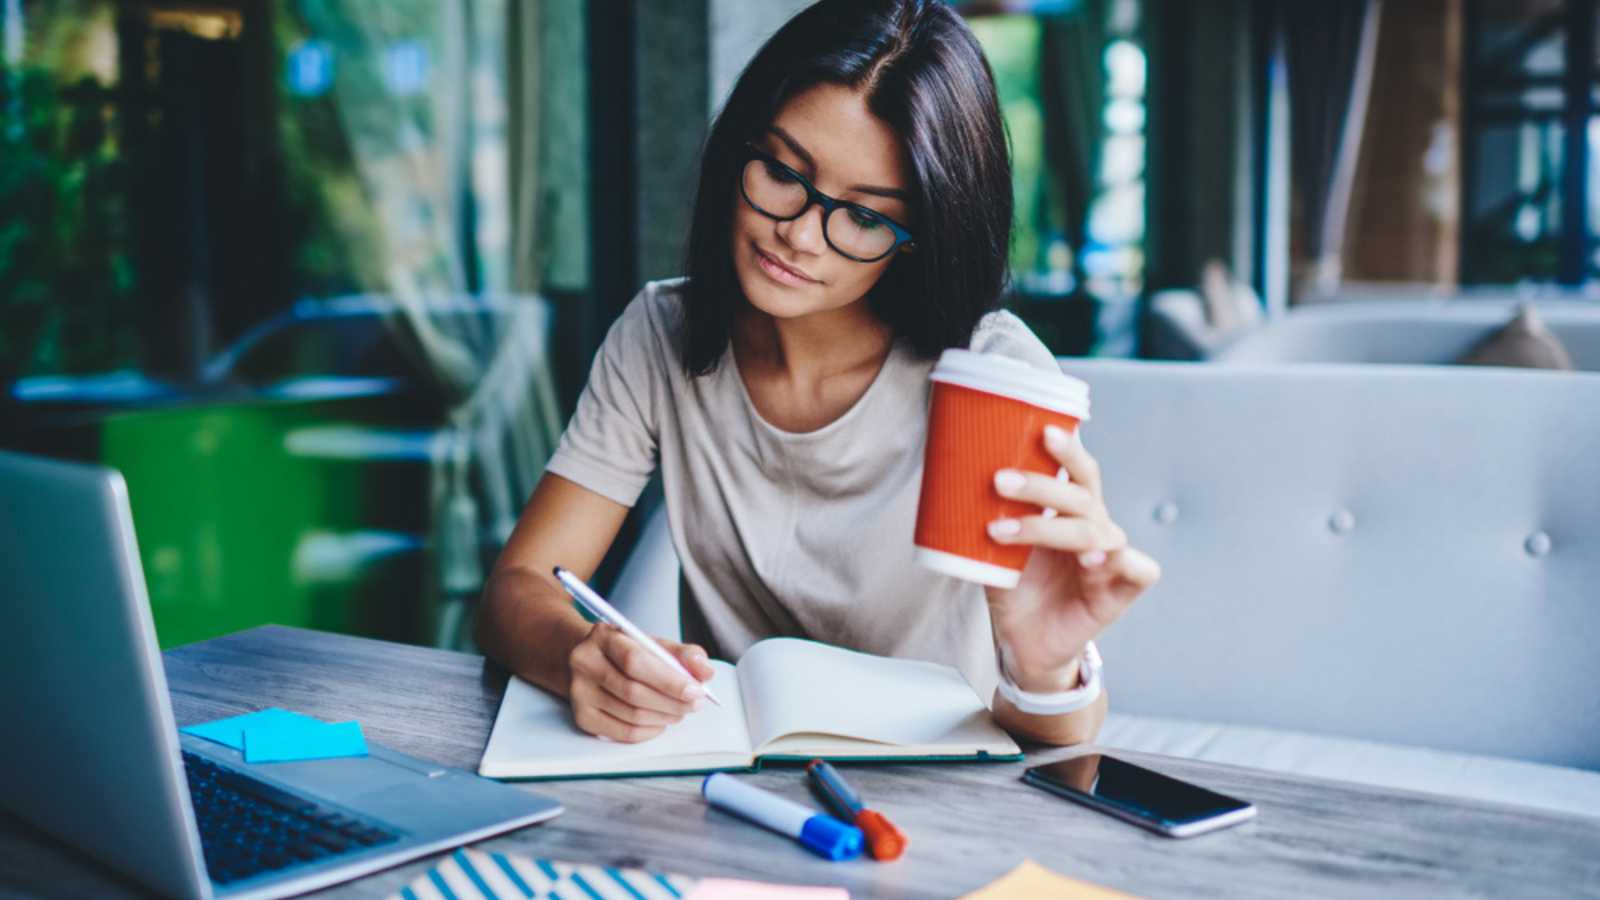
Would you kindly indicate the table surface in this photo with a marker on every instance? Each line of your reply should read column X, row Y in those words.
column 968, row 823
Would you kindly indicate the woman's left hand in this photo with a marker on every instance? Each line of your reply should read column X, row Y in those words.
column 1081, row 576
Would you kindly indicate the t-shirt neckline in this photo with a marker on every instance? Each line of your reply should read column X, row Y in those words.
column 837, row 424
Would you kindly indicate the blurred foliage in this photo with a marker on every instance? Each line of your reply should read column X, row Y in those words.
column 1011, row 43
column 413, row 81
column 68, row 286
column 71, row 297
column 1494, row 253
column 335, row 235
column 1498, row 256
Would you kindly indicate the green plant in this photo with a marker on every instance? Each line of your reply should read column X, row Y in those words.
column 68, row 283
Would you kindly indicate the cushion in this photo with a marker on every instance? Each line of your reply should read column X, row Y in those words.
column 1494, row 779
column 1525, row 342
column 1229, row 304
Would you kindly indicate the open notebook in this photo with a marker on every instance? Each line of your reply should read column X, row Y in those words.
column 787, row 699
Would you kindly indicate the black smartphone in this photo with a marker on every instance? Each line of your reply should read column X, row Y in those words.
column 1148, row 799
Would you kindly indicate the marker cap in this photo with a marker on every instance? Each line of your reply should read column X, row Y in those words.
column 885, row 841
column 828, row 837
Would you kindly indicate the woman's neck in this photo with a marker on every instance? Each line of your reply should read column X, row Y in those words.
column 814, row 348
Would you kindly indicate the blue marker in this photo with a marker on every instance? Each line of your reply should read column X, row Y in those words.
column 820, row 833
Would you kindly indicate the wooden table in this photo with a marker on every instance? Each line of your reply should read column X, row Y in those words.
column 968, row 823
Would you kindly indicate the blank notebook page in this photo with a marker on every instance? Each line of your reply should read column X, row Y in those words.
column 803, row 687
column 539, row 727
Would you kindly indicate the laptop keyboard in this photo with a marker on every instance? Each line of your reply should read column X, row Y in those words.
column 248, row 827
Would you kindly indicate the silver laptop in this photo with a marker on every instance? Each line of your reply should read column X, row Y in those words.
column 92, row 755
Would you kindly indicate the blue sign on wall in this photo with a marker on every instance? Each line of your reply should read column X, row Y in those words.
column 310, row 68
column 405, row 67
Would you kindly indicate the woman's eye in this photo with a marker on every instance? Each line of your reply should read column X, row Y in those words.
column 864, row 221
column 779, row 173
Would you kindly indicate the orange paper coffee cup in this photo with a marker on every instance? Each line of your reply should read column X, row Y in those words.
column 989, row 413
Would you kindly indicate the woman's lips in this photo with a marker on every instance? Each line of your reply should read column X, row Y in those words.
column 779, row 272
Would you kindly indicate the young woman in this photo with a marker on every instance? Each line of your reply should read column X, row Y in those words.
column 852, row 221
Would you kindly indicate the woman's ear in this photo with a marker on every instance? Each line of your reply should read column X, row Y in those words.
column 908, row 247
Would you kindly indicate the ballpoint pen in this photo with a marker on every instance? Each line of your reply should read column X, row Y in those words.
column 884, row 841
column 605, row 612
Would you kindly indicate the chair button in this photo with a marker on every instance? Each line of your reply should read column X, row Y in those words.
column 1342, row 521
column 1166, row 512
column 1537, row 544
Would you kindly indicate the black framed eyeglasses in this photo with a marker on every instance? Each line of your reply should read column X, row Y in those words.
column 852, row 230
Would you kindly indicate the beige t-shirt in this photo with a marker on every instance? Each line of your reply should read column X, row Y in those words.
column 782, row 533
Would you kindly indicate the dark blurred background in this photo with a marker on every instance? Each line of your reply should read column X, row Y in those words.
column 323, row 278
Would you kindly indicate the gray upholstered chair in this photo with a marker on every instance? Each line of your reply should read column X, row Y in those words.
column 1176, row 328
column 1388, row 574
column 1382, row 573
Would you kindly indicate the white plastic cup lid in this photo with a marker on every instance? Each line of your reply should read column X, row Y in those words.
column 1007, row 377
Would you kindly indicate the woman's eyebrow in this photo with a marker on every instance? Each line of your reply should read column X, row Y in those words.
column 797, row 150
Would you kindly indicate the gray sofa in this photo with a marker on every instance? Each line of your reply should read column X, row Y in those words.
column 1406, row 331
column 1387, row 574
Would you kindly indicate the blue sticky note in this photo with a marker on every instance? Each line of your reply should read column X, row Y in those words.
column 229, row 732
column 294, row 741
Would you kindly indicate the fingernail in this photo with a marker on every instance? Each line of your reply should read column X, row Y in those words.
column 693, row 692
column 1004, row 527
column 1092, row 558
column 1008, row 481
column 603, row 738
column 1055, row 436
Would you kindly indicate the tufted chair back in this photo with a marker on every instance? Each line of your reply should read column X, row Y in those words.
column 1399, row 553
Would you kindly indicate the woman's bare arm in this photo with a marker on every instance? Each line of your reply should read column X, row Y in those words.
column 526, row 621
column 528, row 624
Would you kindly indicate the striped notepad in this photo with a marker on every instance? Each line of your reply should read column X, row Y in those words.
column 474, row 875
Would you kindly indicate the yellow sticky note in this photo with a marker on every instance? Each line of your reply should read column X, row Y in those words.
column 1031, row 881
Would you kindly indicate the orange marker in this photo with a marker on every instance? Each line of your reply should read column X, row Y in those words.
column 884, row 841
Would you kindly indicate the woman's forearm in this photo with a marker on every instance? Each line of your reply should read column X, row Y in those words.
column 526, row 624
column 1079, row 727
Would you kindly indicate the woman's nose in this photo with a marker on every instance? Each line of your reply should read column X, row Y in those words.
column 805, row 232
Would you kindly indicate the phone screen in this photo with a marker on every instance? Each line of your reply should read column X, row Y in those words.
column 1135, row 789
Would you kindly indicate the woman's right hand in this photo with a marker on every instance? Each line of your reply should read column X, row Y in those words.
column 621, row 692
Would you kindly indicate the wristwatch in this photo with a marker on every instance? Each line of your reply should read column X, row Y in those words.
column 1060, row 702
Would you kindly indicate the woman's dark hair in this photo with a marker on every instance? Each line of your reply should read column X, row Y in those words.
column 925, row 76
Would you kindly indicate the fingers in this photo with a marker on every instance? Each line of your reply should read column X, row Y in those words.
column 1084, row 528
column 638, row 677
column 618, row 689
column 1071, row 534
column 1046, row 491
column 622, row 692
column 1134, row 567
column 1109, row 589
column 1067, row 448
column 591, row 694
column 600, row 723
column 693, row 657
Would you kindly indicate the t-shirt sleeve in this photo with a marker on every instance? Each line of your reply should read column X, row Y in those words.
column 611, row 444
column 1002, row 332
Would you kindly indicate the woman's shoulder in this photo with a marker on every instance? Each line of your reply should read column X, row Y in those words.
column 660, row 304
column 652, row 319
column 1004, row 333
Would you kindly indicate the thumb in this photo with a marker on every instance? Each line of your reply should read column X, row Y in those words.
column 693, row 657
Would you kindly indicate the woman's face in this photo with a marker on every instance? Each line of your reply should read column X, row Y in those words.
column 825, row 133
